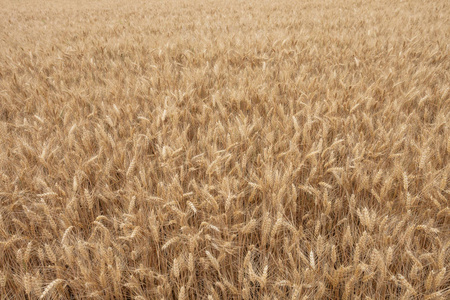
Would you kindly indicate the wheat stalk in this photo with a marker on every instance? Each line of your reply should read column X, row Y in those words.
column 54, row 284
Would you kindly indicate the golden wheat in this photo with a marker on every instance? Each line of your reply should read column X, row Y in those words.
column 193, row 149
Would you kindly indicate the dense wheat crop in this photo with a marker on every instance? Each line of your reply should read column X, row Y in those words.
column 224, row 149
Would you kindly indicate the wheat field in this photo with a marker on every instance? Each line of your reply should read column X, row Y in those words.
column 211, row 149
